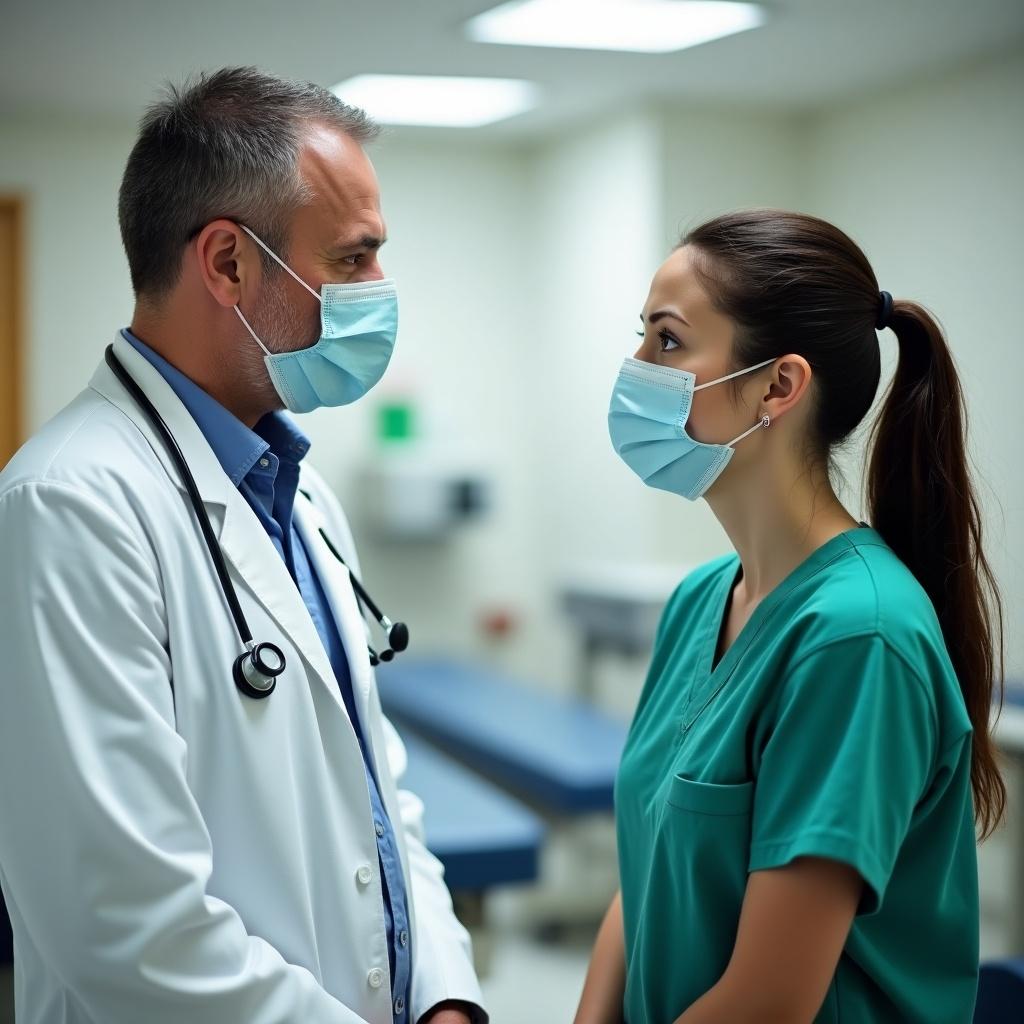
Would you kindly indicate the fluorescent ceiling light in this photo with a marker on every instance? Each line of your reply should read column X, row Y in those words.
column 640, row 26
column 437, row 101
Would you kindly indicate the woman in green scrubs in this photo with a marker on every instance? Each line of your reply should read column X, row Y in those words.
column 810, row 758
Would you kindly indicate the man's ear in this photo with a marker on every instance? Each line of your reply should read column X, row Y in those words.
column 228, row 261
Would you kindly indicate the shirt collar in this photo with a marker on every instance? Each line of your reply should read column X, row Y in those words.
column 236, row 446
column 283, row 437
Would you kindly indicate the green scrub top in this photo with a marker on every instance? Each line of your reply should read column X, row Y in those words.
column 832, row 727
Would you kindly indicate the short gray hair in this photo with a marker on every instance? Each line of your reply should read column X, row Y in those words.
column 225, row 144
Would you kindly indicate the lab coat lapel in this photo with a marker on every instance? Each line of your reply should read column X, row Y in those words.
column 245, row 544
column 352, row 627
column 337, row 584
column 262, row 570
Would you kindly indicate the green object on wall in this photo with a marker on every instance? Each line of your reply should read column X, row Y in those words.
column 395, row 421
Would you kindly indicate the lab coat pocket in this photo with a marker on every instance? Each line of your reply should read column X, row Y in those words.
column 711, row 798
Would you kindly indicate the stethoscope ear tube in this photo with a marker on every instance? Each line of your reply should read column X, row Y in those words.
column 397, row 632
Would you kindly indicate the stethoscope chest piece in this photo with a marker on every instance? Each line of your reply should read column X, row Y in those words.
column 255, row 672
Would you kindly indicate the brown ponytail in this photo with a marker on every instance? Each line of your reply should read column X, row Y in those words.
column 922, row 502
column 792, row 282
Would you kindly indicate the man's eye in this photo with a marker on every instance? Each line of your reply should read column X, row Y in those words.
column 353, row 261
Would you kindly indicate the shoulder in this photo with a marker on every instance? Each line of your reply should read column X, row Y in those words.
column 870, row 622
column 866, row 591
column 89, row 453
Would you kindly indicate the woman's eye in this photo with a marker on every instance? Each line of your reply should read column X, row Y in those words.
column 667, row 341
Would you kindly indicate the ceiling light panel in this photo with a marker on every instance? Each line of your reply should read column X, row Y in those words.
column 639, row 26
column 437, row 101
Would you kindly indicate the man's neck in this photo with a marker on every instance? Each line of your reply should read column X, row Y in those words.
column 202, row 366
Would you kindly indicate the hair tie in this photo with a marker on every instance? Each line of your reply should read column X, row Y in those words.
column 884, row 311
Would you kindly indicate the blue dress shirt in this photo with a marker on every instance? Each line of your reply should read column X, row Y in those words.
column 264, row 465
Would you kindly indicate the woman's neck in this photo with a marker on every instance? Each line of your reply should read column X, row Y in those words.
column 775, row 520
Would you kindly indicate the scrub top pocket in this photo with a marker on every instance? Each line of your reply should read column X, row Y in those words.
column 697, row 872
column 711, row 798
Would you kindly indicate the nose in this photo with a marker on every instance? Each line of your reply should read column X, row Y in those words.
column 644, row 353
column 371, row 270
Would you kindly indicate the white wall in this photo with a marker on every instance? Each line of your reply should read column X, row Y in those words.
column 77, row 276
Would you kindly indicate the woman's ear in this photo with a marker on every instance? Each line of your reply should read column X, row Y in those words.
column 790, row 380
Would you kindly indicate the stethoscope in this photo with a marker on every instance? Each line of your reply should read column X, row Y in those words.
column 255, row 671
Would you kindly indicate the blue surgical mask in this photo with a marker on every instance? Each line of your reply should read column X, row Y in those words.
column 647, row 422
column 358, row 326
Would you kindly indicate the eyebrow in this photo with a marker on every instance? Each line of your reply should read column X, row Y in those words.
column 662, row 313
column 371, row 242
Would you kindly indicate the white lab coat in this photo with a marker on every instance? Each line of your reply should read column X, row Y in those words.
column 195, row 856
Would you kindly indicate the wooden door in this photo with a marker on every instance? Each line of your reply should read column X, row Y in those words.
column 11, row 326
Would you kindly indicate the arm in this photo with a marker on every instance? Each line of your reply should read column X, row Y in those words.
column 605, row 985
column 103, row 847
column 793, row 926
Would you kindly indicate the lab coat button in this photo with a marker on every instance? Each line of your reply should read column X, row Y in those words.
column 375, row 978
column 364, row 875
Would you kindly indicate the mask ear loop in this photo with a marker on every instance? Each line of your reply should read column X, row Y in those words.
column 248, row 327
column 729, row 376
column 763, row 423
column 280, row 262
column 284, row 266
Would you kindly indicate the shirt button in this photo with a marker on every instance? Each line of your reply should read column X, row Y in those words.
column 403, row 938
column 364, row 875
column 375, row 978
column 380, row 830
column 399, row 1006
column 264, row 463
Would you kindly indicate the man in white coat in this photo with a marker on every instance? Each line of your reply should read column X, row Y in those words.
column 189, row 834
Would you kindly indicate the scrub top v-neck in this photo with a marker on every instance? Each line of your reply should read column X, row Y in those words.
column 833, row 726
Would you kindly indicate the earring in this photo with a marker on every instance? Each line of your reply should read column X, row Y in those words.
column 766, row 420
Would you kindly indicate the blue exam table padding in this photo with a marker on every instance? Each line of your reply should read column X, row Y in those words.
column 559, row 753
column 481, row 835
column 1000, row 992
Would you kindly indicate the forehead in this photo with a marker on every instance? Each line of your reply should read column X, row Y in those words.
column 342, row 180
column 676, row 285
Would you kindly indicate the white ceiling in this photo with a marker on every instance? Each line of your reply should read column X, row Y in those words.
column 106, row 58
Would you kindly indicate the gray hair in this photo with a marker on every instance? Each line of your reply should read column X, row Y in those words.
column 223, row 145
